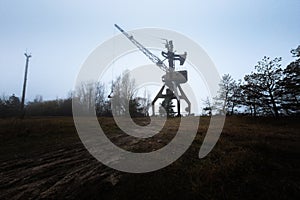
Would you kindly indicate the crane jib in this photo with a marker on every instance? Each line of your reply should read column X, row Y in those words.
column 144, row 50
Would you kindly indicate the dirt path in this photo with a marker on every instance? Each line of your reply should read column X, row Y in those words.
column 65, row 173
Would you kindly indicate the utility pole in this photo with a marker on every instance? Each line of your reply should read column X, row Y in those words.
column 24, row 84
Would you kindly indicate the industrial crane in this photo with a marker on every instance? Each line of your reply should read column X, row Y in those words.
column 172, row 79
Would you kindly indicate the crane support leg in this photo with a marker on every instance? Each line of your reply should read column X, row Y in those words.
column 178, row 108
column 159, row 95
column 183, row 96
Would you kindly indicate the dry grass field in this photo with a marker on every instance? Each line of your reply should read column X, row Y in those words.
column 255, row 158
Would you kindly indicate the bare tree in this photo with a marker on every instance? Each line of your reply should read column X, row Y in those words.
column 100, row 98
column 124, row 90
column 91, row 95
column 222, row 102
column 207, row 110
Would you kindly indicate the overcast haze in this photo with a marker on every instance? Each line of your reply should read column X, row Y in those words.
column 61, row 34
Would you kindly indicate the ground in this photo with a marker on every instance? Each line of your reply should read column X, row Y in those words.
column 255, row 158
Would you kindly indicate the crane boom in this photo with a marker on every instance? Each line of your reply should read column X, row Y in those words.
column 148, row 53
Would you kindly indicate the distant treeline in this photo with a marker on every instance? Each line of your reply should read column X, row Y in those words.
column 90, row 96
column 10, row 107
column 268, row 90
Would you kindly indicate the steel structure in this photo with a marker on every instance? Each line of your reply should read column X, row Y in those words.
column 172, row 79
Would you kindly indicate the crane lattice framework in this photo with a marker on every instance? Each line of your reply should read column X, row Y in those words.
column 172, row 79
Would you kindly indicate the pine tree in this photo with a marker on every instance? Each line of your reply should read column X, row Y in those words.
column 228, row 95
column 290, row 85
column 262, row 85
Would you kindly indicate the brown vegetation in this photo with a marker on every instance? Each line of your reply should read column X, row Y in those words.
column 255, row 158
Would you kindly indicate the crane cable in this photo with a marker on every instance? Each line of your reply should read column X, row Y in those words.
column 113, row 64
